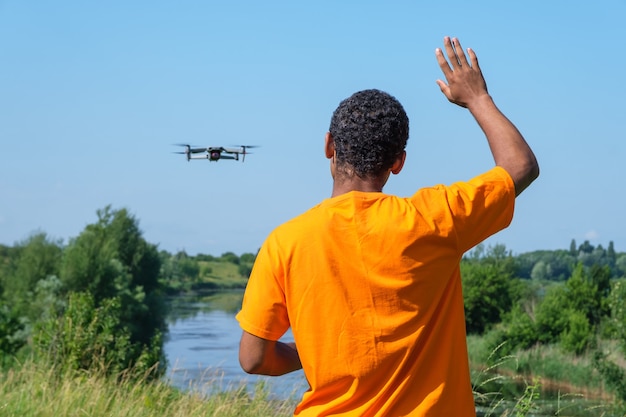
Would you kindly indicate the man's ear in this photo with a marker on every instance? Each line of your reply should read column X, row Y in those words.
column 329, row 145
column 397, row 166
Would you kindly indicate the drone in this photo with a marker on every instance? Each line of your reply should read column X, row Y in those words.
column 215, row 153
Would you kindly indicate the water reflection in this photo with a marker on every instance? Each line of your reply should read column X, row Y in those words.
column 202, row 344
column 186, row 306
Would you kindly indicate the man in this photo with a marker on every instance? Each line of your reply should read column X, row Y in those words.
column 368, row 282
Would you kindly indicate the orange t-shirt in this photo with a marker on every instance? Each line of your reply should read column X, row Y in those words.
column 371, row 288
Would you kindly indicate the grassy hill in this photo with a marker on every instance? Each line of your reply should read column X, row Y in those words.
column 220, row 274
column 182, row 273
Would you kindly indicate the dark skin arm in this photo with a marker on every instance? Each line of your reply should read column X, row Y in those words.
column 466, row 87
column 266, row 357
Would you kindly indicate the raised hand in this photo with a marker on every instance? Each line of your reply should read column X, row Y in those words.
column 465, row 81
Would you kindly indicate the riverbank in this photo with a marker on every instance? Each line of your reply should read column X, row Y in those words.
column 34, row 389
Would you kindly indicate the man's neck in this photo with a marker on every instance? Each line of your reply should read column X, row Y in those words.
column 343, row 186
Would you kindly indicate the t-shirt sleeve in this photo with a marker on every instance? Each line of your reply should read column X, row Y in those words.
column 470, row 212
column 482, row 206
column 264, row 310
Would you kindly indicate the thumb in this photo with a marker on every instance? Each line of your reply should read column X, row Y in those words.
column 444, row 88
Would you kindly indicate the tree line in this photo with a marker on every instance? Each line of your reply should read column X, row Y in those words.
column 99, row 300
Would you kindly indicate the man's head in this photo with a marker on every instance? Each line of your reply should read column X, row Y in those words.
column 369, row 130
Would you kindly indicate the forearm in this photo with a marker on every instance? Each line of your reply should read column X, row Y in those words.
column 267, row 357
column 508, row 147
column 280, row 359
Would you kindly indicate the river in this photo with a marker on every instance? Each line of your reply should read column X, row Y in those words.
column 202, row 344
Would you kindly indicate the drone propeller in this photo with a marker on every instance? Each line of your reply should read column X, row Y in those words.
column 245, row 152
column 188, row 151
column 247, row 146
column 244, row 149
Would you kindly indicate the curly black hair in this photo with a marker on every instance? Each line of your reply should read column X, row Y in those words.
column 370, row 130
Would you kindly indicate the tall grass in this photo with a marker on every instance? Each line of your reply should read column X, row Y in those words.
column 542, row 381
column 35, row 390
column 557, row 369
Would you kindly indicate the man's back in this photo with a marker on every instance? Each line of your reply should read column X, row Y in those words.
column 373, row 296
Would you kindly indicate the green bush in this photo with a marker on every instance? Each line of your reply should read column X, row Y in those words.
column 614, row 377
column 10, row 329
column 578, row 335
column 87, row 337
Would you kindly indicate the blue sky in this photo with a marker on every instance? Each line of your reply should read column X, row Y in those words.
column 93, row 95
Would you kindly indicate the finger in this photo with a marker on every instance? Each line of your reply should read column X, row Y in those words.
column 473, row 59
column 444, row 88
column 458, row 51
column 452, row 56
column 443, row 64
